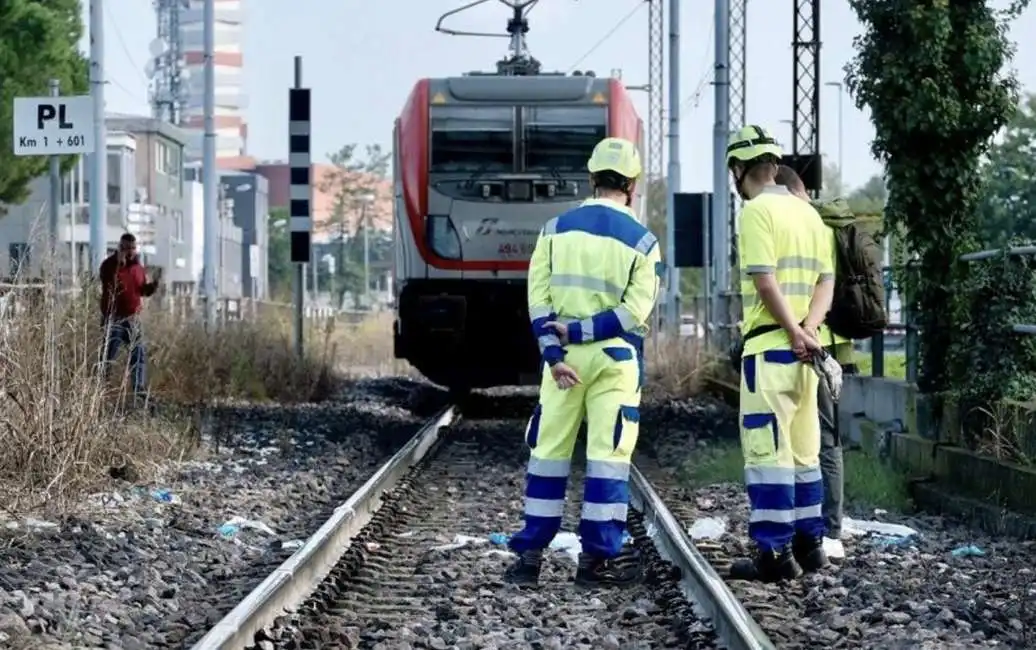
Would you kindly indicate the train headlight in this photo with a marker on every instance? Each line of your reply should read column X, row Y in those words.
column 443, row 237
column 519, row 190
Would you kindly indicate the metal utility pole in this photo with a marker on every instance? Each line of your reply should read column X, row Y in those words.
column 673, row 179
column 210, row 187
column 300, row 159
column 55, row 188
column 805, row 130
column 720, row 216
column 99, row 160
column 366, row 255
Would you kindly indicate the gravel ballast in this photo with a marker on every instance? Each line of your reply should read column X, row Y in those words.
column 912, row 594
column 426, row 572
column 154, row 566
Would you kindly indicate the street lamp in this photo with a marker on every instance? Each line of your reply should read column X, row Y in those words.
column 841, row 132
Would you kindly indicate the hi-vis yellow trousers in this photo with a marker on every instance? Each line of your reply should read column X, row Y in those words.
column 609, row 398
column 780, row 438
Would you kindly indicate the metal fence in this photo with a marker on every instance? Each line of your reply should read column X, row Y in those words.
column 902, row 335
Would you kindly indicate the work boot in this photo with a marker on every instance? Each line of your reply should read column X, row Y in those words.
column 768, row 566
column 624, row 570
column 526, row 569
column 809, row 552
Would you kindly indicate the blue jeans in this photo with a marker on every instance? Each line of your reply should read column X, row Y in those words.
column 126, row 332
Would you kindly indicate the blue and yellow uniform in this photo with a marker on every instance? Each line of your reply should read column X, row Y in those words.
column 784, row 236
column 597, row 270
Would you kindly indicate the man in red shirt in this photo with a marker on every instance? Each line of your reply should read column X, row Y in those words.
column 123, row 286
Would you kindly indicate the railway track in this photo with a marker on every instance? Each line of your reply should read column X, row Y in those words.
column 406, row 563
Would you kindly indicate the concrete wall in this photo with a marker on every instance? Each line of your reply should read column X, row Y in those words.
column 888, row 417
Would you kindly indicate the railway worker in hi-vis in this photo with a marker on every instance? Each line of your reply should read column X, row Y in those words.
column 787, row 277
column 593, row 281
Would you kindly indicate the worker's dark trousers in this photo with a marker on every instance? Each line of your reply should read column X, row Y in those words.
column 831, row 463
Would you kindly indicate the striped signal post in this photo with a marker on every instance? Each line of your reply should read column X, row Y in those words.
column 299, row 162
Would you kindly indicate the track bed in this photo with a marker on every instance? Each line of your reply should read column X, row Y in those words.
column 423, row 573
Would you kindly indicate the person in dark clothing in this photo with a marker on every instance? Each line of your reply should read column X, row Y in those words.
column 831, row 457
column 124, row 284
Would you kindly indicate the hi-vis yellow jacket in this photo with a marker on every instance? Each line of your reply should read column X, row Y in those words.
column 597, row 269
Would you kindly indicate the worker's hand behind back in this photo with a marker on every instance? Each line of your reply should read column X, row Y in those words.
column 560, row 329
column 804, row 345
column 564, row 376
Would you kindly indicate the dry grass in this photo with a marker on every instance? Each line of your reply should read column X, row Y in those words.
column 64, row 430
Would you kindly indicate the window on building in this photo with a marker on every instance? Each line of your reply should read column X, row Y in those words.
column 178, row 225
column 163, row 160
column 19, row 257
column 115, row 179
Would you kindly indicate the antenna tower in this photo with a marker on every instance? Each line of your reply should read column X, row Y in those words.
column 656, row 92
column 166, row 68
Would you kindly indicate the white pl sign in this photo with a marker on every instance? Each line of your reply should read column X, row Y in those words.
column 48, row 126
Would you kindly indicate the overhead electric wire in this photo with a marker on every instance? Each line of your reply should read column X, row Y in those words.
column 122, row 43
column 609, row 34
column 706, row 77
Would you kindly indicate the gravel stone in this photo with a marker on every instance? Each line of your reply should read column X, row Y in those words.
column 916, row 595
column 424, row 574
column 138, row 568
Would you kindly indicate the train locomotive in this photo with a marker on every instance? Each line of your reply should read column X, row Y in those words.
column 481, row 162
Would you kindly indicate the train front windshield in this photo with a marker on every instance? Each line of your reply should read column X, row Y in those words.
column 484, row 139
column 562, row 139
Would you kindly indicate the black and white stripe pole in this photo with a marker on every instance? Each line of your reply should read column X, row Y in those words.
column 299, row 161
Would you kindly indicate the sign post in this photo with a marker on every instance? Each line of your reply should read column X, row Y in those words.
column 53, row 126
column 299, row 160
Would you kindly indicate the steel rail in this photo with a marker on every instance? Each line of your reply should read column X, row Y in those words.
column 698, row 580
column 291, row 583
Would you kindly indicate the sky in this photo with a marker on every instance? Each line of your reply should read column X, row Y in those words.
column 361, row 60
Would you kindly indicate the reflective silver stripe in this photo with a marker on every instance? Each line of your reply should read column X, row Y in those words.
column 756, row 475
column 549, row 468
column 625, row 318
column 808, row 475
column 787, row 288
column 809, row 512
column 544, row 507
column 585, row 282
column 608, row 469
column 791, row 262
column 827, row 276
column 551, row 227
column 547, row 340
column 540, row 312
column 646, row 243
column 587, row 325
column 604, row 511
column 775, row 516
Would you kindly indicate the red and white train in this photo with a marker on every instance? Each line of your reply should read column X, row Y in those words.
column 482, row 161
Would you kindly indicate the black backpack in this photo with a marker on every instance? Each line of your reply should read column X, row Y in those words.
column 858, row 308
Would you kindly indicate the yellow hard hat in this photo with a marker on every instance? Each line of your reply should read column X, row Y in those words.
column 615, row 155
column 750, row 143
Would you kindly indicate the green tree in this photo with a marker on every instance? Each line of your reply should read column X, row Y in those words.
column 931, row 73
column 834, row 186
column 39, row 41
column 352, row 181
column 1008, row 207
column 278, row 253
column 870, row 197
